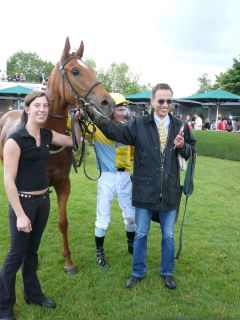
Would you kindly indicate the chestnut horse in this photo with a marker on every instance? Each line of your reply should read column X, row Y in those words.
column 71, row 83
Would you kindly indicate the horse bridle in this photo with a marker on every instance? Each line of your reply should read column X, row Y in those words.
column 84, row 121
column 77, row 97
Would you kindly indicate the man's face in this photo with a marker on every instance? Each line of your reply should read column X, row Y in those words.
column 162, row 102
column 119, row 113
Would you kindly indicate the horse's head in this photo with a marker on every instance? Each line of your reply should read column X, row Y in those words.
column 79, row 85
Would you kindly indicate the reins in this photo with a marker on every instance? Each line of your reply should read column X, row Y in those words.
column 84, row 123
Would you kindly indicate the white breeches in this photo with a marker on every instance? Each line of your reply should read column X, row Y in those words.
column 108, row 184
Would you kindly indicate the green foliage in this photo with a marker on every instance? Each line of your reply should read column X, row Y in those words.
column 218, row 144
column 30, row 65
column 204, row 83
column 230, row 80
column 118, row 78
column 207, row 272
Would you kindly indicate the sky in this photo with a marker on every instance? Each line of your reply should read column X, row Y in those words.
column 171, row 41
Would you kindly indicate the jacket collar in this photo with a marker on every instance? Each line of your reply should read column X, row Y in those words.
column 150, row 118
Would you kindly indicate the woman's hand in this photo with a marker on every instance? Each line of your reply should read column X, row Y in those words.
column 24, row 224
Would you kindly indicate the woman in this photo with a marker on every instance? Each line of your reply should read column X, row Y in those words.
column 25, row 178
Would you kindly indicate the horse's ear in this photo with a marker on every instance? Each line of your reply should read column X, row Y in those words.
column 80, row 50
column 65, row 53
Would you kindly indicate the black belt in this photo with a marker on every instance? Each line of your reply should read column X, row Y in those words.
column 29, row 196
column 121, row 169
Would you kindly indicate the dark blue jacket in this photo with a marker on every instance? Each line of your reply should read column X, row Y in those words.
column 156, row 176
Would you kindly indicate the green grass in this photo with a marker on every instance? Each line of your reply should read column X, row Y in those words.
column 207, row 273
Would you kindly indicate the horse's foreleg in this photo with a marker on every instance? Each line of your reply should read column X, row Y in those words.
column 63, row 191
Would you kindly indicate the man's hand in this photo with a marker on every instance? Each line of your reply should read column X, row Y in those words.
column 179, row 140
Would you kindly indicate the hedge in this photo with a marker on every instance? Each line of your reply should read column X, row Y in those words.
column 218, row 144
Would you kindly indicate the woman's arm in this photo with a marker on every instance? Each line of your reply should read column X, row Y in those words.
column 11, row 159
column 64, row 140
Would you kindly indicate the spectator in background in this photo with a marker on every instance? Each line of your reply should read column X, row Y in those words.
column 22, row 77
column 3, row 75
column 229, row 125
column 197, row 122
column 189, row 121
column 222, row 124
column 207, row 124
column 213, row 125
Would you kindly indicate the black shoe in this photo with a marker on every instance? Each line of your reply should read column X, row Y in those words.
column 132, row 282
column 101, row 258
column 44, row 303
column 169, row 282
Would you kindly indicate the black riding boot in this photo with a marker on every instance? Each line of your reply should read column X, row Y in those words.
column 130, row 240
column 100, row 253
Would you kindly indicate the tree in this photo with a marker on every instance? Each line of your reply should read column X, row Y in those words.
column 230, row 80
column 204, row 83
column 118, row 78
column 30, row 65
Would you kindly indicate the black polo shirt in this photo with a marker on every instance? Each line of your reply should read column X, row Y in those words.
column 32, row 167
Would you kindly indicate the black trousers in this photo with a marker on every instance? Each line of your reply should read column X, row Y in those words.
column 23, row 252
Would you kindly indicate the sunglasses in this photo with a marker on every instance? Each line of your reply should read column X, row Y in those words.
column 161, row 101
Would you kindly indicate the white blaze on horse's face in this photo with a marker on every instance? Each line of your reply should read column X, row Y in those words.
column 82, row 64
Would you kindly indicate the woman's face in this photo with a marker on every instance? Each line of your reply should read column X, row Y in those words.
column 38, row 110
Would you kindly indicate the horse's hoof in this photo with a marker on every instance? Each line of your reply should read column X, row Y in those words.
column 70, row 271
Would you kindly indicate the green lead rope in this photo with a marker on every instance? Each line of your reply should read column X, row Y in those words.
column 188, row 189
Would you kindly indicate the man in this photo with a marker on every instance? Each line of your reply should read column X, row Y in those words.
column 115, row 167
column 157, row 139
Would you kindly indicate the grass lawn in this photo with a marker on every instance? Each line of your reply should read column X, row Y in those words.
column 207, row 273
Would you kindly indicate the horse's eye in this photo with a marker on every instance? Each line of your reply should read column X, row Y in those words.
column 75, row 72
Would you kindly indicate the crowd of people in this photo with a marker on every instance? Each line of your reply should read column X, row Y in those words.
column 197, row 122
column 17, row 77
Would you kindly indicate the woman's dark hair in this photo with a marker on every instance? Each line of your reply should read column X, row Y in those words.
column 160, row 86
column 28, row 100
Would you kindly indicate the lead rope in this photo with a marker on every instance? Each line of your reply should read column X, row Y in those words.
column 84, row 124
column 181, row 230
